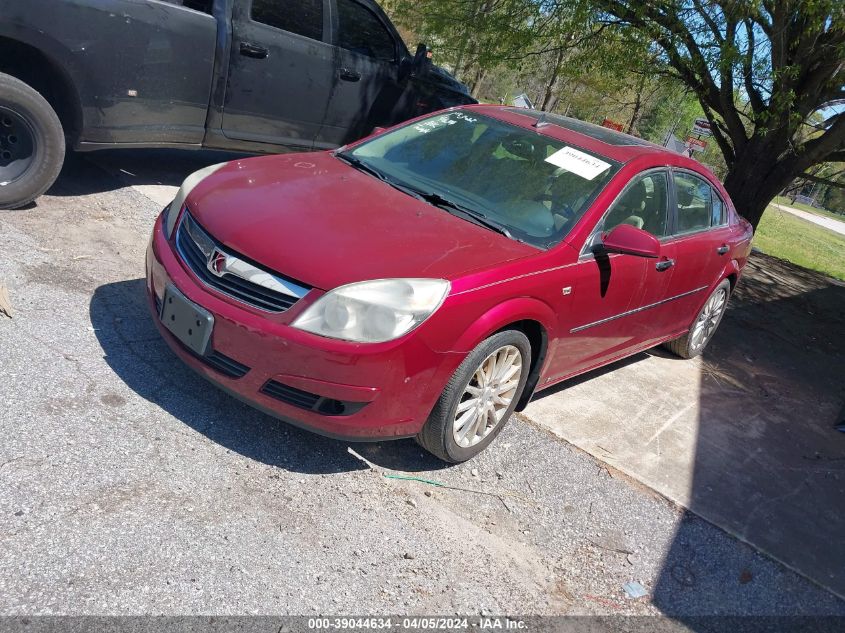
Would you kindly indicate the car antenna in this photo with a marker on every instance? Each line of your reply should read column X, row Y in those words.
column 541, row 120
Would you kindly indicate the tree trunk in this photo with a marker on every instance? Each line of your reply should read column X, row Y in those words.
column 757, row 176
column 549, row 93
column 638, row 105
column 475, row 83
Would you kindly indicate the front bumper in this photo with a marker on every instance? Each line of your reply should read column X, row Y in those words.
column 336, row 388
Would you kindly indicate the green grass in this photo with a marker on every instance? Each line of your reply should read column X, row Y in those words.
column 806, row 207
column 784, row 235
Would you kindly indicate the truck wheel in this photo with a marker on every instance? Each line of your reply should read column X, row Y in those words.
column 479, row 398
column 32, row 144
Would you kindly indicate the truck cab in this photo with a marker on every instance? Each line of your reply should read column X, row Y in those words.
column 242, row 75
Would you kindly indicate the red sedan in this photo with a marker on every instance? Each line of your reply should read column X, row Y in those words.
column 428, row 280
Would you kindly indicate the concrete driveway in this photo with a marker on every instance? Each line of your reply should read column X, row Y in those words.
column 130, row 486
column 743, row 436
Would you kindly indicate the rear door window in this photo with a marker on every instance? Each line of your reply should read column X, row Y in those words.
column 693, row 196
column 362, row 32
column 718, row 215
column 302, row 17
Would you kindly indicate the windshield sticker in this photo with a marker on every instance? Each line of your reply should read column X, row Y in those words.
column 429, row 125
column 579, row 163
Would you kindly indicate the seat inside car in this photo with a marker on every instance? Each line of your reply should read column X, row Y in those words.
column 643, row 206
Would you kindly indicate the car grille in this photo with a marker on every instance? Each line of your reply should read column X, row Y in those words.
column 240, row 279
column 310, row 401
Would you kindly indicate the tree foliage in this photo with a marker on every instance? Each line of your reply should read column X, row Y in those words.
column 768, row 74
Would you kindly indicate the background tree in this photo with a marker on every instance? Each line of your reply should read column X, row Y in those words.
column 768, row 74
column 762, row 71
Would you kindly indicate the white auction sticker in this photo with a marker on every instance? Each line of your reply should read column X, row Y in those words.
column 577, row 162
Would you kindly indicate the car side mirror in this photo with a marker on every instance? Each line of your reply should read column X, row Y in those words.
column 629, row 240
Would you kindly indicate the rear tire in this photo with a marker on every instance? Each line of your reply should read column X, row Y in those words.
column 706, row 322
column 489, row 384
column 32, row 143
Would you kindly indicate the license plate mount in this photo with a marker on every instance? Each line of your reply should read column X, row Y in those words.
column 188, row 322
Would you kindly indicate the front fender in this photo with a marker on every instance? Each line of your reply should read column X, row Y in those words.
column 498, row 317
column 476, row 329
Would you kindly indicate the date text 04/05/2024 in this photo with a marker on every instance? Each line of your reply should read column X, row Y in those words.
column 418, row 623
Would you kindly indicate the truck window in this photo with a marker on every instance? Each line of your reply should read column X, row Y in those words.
column 303, row 17
column 203, row 6
column 362, row 32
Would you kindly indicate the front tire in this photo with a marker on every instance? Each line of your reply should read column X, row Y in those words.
column 479, row 398
column 692, row 343
column 32, row 143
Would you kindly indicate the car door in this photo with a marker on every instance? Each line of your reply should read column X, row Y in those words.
column 366, row 85
column 699, row 243
column 618, row 297
column 281, row 71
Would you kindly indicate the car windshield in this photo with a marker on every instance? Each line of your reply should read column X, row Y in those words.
column 521, row 183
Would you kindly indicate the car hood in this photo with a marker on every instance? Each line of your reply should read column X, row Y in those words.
column 317, row 220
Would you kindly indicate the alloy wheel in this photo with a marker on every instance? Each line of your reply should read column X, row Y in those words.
column 487, row 396
column 708, row 319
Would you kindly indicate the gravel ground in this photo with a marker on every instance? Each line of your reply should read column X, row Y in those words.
column 128, row 485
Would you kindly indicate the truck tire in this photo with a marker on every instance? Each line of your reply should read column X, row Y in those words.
column 32, row 143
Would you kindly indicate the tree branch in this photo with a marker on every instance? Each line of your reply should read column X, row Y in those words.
column 754, row 97
column 823, row 181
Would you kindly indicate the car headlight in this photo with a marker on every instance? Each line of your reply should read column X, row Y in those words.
column 374, row 311
column 173, row 209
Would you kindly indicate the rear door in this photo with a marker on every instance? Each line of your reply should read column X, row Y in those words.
column 366, row 86
column 700, row 245
column 281, row 71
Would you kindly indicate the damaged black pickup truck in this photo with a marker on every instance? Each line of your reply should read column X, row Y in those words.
column 243, row 75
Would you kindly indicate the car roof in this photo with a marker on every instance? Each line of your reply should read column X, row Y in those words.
column 617, row 146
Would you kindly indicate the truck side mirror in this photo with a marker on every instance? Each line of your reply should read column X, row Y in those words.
column 422, row 59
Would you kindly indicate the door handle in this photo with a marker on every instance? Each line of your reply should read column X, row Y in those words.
column 253, row 50
column 724, row 248
column 349, row 75
column 664, row 264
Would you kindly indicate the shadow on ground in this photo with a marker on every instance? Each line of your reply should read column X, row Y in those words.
column 743, row 437
column 769, row 464
column 82, row 173
column 136, row 352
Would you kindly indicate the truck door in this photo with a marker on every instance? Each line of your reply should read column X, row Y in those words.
column 281, row 71
column 367, row 87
